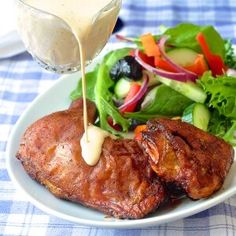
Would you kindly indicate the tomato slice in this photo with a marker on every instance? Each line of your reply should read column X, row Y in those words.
column 116, row 127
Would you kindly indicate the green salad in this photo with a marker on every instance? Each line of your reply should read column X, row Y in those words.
column 187, row 72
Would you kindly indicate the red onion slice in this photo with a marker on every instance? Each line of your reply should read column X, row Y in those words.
column 190, row 75
column 170, row 75
column 123, row 38
column 138, row 96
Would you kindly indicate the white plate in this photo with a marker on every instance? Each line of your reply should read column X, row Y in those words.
column 57, row 98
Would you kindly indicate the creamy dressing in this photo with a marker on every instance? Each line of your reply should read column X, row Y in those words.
column 91, row 149
column 85, row 28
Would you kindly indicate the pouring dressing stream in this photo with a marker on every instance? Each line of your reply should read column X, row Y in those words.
column 90, row 23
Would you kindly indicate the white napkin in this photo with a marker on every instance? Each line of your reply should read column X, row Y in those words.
column 11, row 45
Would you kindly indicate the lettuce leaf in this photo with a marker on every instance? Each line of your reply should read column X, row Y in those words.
column 221, row 93
column 223, row 127
column 230, row 135
column 90, row 83
column 230, row 57
column 105, row 104
column 166, row 101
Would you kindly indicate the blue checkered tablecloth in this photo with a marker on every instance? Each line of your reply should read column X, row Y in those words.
column 21, row 80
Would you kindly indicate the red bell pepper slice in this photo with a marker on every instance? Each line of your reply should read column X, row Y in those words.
column 134, row 89
column 164, row 65
column 144, row 57
column 215, row 62
column 199, row 66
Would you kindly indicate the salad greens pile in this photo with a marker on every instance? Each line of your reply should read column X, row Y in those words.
column 165, row 97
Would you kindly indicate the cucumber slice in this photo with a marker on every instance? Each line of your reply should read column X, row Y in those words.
column 153, row 79
column 122, row 88
column 188, row 89
column 198, row 115
column 183, row 56
column 149, row 98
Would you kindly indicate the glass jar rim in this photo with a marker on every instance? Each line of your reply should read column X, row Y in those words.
column 104, row 9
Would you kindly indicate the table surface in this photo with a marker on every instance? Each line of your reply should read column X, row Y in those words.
column 21, row 80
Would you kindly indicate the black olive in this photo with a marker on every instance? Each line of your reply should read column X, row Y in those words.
column 135, row 123
column 126, row 67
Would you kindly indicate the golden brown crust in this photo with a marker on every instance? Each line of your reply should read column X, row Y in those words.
column 122, row 184
column 180, row 153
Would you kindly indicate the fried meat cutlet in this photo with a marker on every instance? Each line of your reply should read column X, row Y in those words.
column 183, row 155
column 122, row 184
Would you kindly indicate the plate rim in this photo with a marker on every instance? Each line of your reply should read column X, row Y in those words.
column 137, row 223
